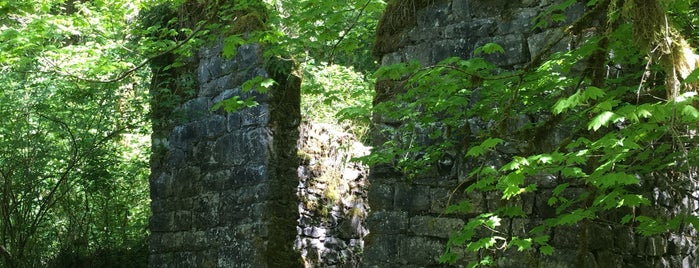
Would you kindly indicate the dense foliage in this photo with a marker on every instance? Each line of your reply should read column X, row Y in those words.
column 626, row 124
column 73, row 163
column 331, row 41
column 74, row 91
column 74, row 143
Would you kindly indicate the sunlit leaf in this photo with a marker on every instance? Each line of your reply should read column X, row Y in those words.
column 600, row 120
column 489, row 48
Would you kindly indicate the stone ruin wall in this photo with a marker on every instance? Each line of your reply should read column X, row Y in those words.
column 407, row 227
column 237, row 190
column 223, row 184
column 253, row 188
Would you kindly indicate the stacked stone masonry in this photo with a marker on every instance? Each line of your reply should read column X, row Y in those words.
column 246, row 189
column 407, row 224
column 223, row 184
column 332, row 193
column 237, row 189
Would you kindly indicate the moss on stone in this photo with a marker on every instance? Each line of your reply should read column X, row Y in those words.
column 398, row 16
column 250, row 22
column 284, row 119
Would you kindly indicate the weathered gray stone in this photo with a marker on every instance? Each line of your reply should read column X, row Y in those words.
column 193, row 110
column 184, row 181
column 411, row 198
column 392, row 58
column 492, row 8
column 421, row 53
column 433, row 17
column 213, row 126
column 183, row 137
column 419, row 251
column 381, row 196
column 223, row 192
column 240, row 254
column 514, row 47
column 461, row 10
column 387, row 222
column 521, row 21
column 568, row 258
column 624, row 239
column 605, row 258
column 205, row 213
column 384, row 252
column 159, row 260
column 600, row 237
column 450, row 48
column 333, row 199
column 162, row 222
column 653, row 246
column 538, row 42
column 161, row 185
column 456, row 31
column 435, row 226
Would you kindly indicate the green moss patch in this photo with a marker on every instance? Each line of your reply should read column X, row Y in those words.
column 398, row 16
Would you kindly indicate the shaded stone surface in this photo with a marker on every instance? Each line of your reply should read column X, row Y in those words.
column 407, row 220
column 222, row 185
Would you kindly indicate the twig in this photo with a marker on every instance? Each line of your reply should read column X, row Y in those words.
column 126, row 73
column 333, row 49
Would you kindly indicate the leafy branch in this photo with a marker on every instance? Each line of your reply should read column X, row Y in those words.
column 125, row 74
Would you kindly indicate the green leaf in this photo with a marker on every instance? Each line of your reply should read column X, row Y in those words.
column 489, row 48
column 574, row 172
column 633, row 200
column 567, row 103
column 268, row 83
column 552, row 201
column 448, row 257
column 462, row 207
column 573, row 217
column 600, row 120
column 577, row 99
column 693, row 219
column 690, row 111
column 231, row 44
column 234, row 104
column 475, row 151
column 693, row 77
column 513, row 211
column 483, row 147
column 516, row 164
column 626, row 219
column 593, row 93
column 259, row 83
column 522, row 244
column 648, row 226
column 483, row 243
column 546, row 250
column 560, row 188
column 615, row 179
column 558, row 17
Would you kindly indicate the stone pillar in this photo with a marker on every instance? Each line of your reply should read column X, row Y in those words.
column 223, row 184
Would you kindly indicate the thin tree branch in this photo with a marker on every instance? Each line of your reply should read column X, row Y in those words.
column 6, row 253
column 128, row 72
column 333, row 49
